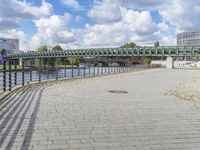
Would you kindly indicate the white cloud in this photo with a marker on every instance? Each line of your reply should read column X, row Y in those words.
column 14, row 9
column 140, row 4
column 183, row 14
column 52, row 30
column 7, row 24
column 134, row 25
column 72, row 3
column 163, row 26
column 105, row 12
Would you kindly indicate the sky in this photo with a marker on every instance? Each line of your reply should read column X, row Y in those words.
column 96, row 23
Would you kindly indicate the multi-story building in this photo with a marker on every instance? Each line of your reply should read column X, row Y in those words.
column 188, row 38
column 9, row 44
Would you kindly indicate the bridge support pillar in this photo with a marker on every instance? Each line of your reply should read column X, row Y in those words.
column 170, row 63
column 20, row 61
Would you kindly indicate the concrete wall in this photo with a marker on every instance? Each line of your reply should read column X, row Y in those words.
column 179, row 64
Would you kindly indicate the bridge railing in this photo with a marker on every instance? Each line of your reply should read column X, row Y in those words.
column 11, row 77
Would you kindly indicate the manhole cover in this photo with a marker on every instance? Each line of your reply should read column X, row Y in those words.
column 118, row 91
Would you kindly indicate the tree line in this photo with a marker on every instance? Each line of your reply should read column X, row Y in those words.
column 56, row 62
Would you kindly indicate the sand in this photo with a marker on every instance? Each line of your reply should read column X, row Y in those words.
column 189, row 89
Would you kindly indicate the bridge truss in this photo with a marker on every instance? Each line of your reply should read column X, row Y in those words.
column 173, row 51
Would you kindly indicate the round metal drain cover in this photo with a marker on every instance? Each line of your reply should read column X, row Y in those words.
column 118, row 91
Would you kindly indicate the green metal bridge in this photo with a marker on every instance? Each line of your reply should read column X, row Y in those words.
column 173, row 51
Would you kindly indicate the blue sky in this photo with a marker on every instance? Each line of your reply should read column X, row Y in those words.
column 96, row 23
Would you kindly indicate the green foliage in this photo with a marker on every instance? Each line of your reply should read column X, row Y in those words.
column 3, row 51
column 129, row 45
column 42, row 61
column 56, row 61
column 75, row 60
column 156, row 44
column 147, row 61
column 57, row 48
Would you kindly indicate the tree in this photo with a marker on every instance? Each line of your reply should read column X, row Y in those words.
column 42, row 61
column 129, row 45
column 57, row 48
column 147, row 61
column 156, row 44
column 75, row 60
column 55, row 61
column 3, row 51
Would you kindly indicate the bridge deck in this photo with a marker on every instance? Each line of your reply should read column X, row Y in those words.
column 82, row 115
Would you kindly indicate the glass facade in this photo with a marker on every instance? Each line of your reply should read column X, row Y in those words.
column 188, row 39
column 9, row 44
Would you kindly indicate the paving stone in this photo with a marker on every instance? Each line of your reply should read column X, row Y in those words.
column 83, row 115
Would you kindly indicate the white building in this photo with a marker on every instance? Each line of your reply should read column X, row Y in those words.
column 9, row 44
column 188, row 38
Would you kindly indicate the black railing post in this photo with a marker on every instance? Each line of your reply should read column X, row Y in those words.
column 98, row 69
column 89, row 68
column 10, row 75
column 84, row 71
column 30, row 75
column 39, row 77
column 94, row 70
column 48, row 73
column 78, row 71
column 4, row 75
column 56, row 73
column 102, row 69
column 15, row 72
column 72, row 71
column 22, row 73
column 65, row 70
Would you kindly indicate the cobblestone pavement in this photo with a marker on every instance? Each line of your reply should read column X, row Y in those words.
column 82, row 115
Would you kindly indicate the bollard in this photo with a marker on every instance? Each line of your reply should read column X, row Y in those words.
column 102, row 70
column 10, row 75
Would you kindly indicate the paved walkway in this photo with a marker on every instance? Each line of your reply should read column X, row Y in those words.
column 82, row 115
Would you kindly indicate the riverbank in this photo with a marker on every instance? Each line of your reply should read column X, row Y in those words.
column 189, row 89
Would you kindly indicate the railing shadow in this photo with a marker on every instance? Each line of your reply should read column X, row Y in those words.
column 12, row 121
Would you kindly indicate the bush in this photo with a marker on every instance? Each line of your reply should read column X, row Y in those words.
column 147, row 61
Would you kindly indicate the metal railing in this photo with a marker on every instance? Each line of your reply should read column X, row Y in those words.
column 9, row 77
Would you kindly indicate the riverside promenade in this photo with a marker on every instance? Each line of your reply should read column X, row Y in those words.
column 82, row 115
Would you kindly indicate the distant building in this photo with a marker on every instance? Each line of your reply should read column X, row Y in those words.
column 188, row 38
column 9, row 44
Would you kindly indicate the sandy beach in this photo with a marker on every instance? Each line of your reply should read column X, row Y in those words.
column 189, row 89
